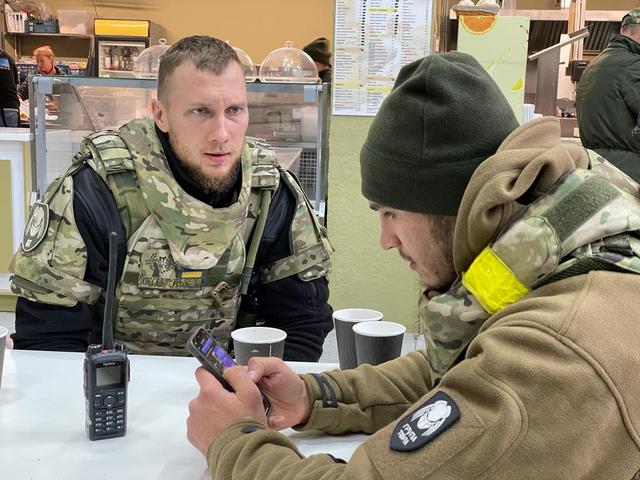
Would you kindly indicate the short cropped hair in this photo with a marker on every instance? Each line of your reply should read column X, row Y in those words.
column 630, row 29
column 45, row 50
column 206, row 53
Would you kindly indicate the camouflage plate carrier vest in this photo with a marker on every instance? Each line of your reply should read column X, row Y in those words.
column 588, row 221
column 187, row 264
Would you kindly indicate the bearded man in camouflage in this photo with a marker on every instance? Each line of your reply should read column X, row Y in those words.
column 211, row 231
column 530, row 251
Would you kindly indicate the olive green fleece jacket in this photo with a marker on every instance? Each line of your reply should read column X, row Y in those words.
column 547, row 390
column 608, row 104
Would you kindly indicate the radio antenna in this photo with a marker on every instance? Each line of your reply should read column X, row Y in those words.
column 107, row 323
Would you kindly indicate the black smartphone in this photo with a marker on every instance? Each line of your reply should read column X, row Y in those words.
column 215, row 359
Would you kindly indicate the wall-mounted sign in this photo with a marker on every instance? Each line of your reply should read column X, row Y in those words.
column 373, row 39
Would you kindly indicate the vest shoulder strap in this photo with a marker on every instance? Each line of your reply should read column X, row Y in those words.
column 110, row 158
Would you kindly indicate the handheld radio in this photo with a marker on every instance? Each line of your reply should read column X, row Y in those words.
column 106, row 371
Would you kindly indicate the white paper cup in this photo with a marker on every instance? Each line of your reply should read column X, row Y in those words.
column 378, row 342
column 4, row 333
column 344, row 320
column 257, row 342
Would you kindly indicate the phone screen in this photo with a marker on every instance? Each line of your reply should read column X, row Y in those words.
column 213, row 356
column 213, row 352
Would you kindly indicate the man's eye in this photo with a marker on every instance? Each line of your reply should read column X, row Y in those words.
column 200, row 111
column 234, row 110
column 390, row 215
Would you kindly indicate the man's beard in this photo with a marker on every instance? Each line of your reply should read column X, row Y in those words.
column 216, row 186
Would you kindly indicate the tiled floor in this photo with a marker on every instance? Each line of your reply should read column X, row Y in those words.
column 330, row 353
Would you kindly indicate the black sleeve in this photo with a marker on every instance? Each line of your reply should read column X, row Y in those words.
column 40, row 326
column 297, row 307
column 14, row 70
column 23, row 90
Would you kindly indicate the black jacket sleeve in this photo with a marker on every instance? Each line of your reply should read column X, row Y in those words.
column 14, row 69
column 40, row 326
column 297, row 307
column 23, row 90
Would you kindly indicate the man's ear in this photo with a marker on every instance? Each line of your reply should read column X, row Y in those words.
column 159, row 112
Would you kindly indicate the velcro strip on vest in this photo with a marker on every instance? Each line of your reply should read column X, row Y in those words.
column 492, row 283
column 114, row 153
column 580, row 205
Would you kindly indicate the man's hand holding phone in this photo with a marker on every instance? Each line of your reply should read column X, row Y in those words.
column 285, row 390
column 232, row 394
column 216, row 408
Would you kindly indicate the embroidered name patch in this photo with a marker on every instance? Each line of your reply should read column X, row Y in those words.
column 159, row 271
column 36, row 228
column 427, row 422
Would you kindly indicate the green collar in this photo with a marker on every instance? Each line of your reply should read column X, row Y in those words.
column 619, row 40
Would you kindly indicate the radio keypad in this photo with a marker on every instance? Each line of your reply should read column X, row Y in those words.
column 109, row 418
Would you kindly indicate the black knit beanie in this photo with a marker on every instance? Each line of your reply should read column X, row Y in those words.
column 443, row 117
column 319, row 51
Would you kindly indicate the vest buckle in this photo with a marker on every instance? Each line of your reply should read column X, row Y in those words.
column 222, row 293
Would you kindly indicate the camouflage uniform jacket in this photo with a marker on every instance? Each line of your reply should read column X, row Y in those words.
column 185, row 261
column 547, row 388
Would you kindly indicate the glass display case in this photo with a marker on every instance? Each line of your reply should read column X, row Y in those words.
column 293, row 118
column 118, row 43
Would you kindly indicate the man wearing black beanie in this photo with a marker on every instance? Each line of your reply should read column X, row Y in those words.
column 320, row 53
column 529, row 250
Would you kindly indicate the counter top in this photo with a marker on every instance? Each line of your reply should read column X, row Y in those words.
column 15, row 134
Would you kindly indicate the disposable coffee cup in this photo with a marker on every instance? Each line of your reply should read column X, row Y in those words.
column 257, row 342
column 4, row 333
column 378, row 342
column 344, row 320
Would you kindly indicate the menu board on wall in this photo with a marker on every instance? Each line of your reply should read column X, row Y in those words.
column 374, row 38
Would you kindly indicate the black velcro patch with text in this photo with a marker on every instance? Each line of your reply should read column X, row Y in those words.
column 424, row 424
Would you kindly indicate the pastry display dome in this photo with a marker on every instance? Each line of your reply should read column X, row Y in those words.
column 250, row 73
column 288, row 65
column 147, row 63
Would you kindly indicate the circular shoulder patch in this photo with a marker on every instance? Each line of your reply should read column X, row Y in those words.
column 36, row 228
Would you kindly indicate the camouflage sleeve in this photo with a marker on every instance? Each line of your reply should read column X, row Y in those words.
column 50, row 265
column 310, row 247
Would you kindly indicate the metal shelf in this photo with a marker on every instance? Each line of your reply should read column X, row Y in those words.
column 45, row 34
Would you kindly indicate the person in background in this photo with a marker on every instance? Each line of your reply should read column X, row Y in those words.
column 608, row 99
column 9, row 103
column 319, row 51
column 46, row 62
column 528, row 247
column 211, row 231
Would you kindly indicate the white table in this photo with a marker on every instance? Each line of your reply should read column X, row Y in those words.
column 42, row 418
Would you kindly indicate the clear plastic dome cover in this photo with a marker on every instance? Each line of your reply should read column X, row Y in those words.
column 288, row 65
column 250, row 73
column 147, row 63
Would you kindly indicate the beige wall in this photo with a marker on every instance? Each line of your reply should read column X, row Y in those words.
column 363, row 274
column 256, row 26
